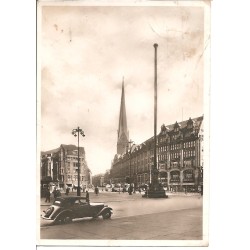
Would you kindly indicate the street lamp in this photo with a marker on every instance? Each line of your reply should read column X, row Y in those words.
column 131, row 143
column 76, row 132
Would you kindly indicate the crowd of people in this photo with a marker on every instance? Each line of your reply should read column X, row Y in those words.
column 57, row 193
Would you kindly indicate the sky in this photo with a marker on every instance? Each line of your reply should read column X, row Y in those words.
column 85, row 51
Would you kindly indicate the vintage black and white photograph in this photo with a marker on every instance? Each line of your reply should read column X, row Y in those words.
column 123, row 123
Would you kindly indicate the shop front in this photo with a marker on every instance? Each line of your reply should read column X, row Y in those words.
column 163, row 177
column 174, row 181
column 188, row 182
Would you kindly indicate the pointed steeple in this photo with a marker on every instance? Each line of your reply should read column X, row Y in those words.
column 123, row 137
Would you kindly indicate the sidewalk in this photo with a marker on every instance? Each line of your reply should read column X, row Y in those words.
column 114, row 196
column 182, row 194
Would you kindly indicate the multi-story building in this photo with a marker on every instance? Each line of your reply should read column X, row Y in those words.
column 179, row 158
column 180, row 154
column 61, row 166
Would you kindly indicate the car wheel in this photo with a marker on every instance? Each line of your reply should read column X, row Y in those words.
column 64, row 219
column 106, row 215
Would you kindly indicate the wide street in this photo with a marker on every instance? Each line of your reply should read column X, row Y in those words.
column 178, row 217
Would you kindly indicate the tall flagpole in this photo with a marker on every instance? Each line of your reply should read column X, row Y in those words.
column 155, row 115
column 155, row 189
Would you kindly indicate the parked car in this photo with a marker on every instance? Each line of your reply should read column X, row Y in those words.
column 65, row 209
column 116, row 189
column 108, row 187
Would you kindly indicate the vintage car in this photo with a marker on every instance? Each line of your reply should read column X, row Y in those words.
column 65, row 209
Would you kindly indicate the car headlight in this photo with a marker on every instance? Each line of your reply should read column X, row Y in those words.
column 49, row 211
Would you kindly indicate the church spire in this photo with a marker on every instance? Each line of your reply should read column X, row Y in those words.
column 123, row 137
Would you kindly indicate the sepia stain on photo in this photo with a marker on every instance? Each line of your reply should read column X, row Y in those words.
column 123, row 123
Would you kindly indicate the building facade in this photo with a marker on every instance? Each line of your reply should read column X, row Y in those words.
column 179, row 158
column 61, row 166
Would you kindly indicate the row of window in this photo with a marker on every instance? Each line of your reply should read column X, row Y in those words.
column 162, row 157
column 75, row 164
column 178, row 146
column 75, row 172
column 189, row 153
column 176, row 155
column 175, row 146
column 163, row 149
column 75, row 177
column 75, row 158
column 189, row 144
column 146, row 155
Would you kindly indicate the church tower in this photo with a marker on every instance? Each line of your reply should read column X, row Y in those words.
column 123, row 137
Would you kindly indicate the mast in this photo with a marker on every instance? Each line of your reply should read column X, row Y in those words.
column 155, row 107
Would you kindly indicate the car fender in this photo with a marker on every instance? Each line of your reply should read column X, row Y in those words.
column 104, row 210
column 62, row 212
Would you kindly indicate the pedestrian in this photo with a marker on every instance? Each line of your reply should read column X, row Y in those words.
column 146, row 190
column 55, row 193
column 67, row 191
column 47, row 195
column 58, row 193
column 130, row 190
column 87, row 196
column 96, row 190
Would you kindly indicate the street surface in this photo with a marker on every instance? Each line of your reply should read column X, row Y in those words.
column 178, row 217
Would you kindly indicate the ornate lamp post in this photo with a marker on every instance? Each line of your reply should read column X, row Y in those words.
column 76, row 132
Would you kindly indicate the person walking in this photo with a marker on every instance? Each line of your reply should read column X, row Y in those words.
column 67, row 191
column 47, row 195
column 87, row 196
column 130, row 190
column 55, row 193
column 58, row 193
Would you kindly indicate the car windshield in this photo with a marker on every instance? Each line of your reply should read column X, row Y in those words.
column 57, row 202
column 60, row 202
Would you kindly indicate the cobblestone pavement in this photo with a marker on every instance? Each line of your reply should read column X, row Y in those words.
column 173, row 225
column 135, row 218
